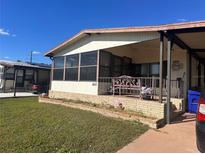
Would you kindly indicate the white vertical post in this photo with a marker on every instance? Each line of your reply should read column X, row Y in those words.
column 64, row 68
column 168, row 81
column 161, row 67
column 79, row 63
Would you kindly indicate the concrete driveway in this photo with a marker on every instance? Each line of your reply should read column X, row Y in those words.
column 177, row 137
column 18, row 94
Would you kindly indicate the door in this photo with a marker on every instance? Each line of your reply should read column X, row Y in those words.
column 20, row 78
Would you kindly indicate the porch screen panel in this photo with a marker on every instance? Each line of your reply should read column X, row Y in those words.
column 9, row 74
column 71, row 71
column 116, row 66
column 88, row 66
column 105, row 64
column 58, row 68
column 126, row 65
column 29, row 75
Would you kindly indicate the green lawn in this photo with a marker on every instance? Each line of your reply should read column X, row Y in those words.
column 29, row 126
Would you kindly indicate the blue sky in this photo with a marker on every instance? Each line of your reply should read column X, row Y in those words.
column 40, row 25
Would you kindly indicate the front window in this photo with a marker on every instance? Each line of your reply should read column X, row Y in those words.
column 145, row 69
column 154, row 69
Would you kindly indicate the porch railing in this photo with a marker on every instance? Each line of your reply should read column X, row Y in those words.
column 132, row 86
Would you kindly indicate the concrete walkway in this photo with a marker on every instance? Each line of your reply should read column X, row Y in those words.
column 177, row 137
column 18, row 94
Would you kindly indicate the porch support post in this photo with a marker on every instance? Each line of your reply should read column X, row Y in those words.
column 98, row 65
column 199, row 74
column 51, row 74
column 161, row 67
column 64, row 68
column 204, row 74
column 98, row 70
column 169, row 80
column 15, row 78
column 190, row 70
column 79, row 63
column 4, row 88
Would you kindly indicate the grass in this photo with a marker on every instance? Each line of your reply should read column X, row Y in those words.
column 29, row 126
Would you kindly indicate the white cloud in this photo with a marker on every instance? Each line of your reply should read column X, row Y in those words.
column 3, row 32
column 36, row 52
column 182, row 19
column 6, row 57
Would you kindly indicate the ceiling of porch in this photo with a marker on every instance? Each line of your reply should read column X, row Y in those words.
column 196, row 41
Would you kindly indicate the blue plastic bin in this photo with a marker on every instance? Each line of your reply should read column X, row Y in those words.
column 193, row 99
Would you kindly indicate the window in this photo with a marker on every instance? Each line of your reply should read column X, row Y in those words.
column 29, row 75
column 88, row 66
column 105, row 60
column 154, row 69
column 72, row 62
column 9, row 74
column 58, row 68
column 145, row 69
column 89, row 58
column 57, row 74
column 58, row 62
column 88, row 73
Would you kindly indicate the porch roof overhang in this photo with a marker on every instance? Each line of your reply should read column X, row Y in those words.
column 181, row 31
column 190, row 39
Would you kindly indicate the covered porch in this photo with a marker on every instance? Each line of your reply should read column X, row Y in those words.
column 170, row 65
column 131, row 67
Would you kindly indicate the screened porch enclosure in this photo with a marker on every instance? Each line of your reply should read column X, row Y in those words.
column 121, row 73
column 134, row 65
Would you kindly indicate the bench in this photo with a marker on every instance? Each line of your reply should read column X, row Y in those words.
column 126, row 83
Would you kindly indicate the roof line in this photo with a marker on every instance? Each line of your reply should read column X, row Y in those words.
column 164, row 27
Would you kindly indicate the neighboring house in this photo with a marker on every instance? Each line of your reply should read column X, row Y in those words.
column 26, row 75
column 168, row 58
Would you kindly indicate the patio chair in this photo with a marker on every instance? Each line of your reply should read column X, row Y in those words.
column 146, row 93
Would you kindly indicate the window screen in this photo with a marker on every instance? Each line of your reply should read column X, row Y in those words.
column 72, row 65
column 57, row 74
column 105, row 64
column 58, row 62
column 88, row 66
column 58, row 68
column 29, row 75
column 88, row 73
column 89, row 58
column 71, row 74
